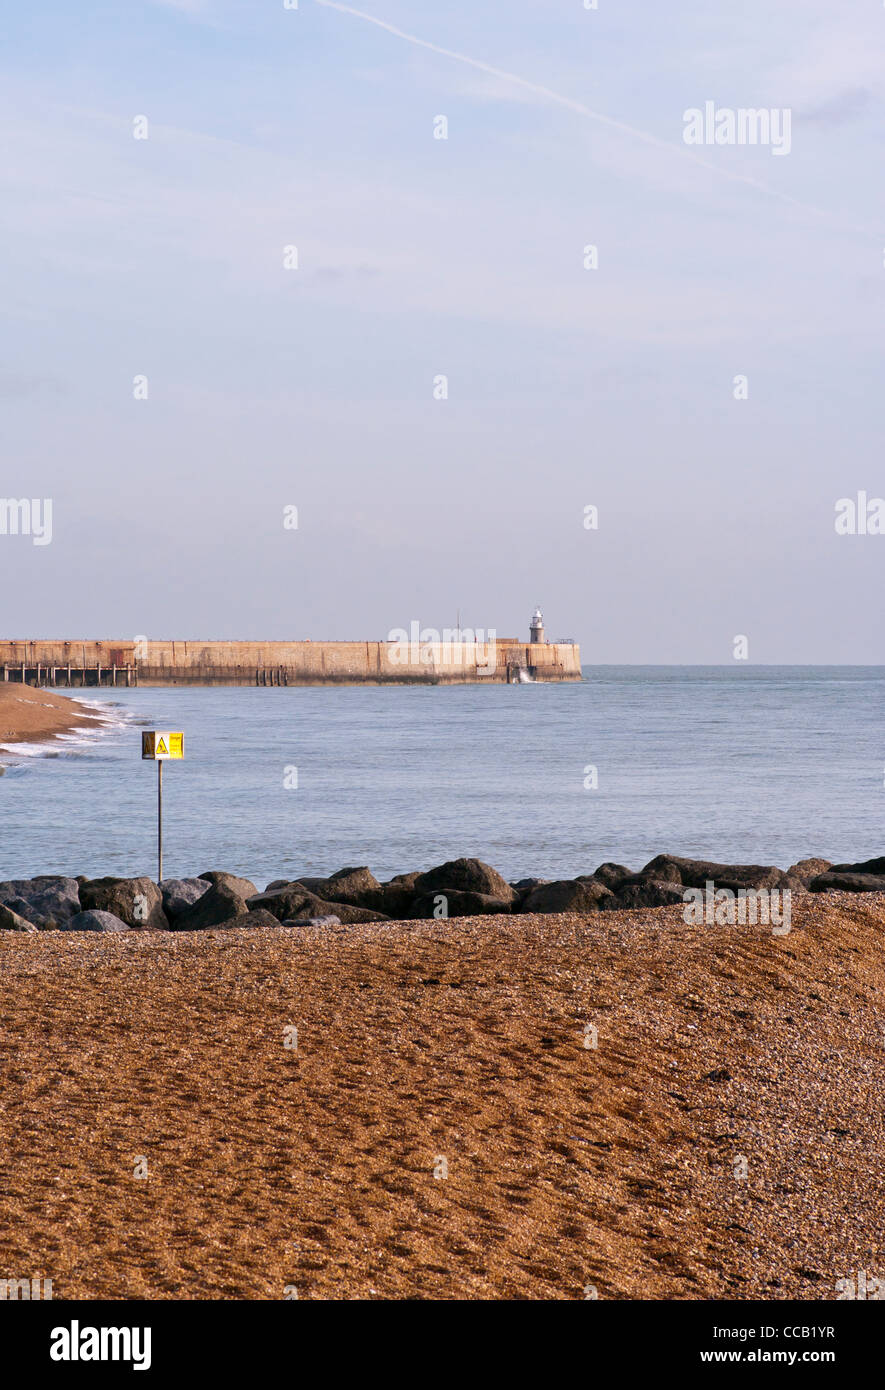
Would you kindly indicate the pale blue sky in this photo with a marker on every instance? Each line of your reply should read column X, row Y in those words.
column 418, row 256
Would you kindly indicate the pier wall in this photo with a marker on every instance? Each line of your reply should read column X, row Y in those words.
column 118, row 662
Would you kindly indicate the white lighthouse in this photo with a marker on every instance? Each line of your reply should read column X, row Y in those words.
column 536, row 630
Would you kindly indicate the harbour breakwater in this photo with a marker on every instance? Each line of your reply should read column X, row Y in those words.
column 411, row 661
column 709, row 894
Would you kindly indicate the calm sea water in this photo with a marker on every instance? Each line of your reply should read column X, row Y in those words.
column 755, row 764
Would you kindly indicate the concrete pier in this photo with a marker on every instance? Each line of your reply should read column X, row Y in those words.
column 157, row 663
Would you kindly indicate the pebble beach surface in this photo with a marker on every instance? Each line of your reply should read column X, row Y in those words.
column 459, row 1047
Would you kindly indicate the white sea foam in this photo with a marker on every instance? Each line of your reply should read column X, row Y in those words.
column 104, row 718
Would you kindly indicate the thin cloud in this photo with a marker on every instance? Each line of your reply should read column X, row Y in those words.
column 587, row 112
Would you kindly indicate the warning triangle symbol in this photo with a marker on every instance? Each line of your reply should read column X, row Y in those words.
column 161, row 747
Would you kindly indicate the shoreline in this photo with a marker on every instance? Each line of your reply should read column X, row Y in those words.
column 31, row 715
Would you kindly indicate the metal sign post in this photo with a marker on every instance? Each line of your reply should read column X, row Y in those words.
column 159, row 820
column 159, row 745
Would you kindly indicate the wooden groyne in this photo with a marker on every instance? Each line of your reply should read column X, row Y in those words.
column 157, row 663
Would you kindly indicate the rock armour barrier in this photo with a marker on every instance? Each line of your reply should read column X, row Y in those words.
column 459, row 888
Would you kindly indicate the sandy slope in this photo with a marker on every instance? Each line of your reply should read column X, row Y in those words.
column 30, row 715
column 567, row 1166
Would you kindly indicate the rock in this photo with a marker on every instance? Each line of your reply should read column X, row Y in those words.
column 308, row 883
column 794, row 883
column 663, row 869
column 696, row 873
column 45, row 901
column 644, row 892
column 94, row 920
column 610, row 875
column 296, row 902
column 218, row 904
column 347, row 915
column 466, row 876
column 22, row 908
column 834, row 882
column 181, row 893
column 260, row 917
column 398, row 896
column 277, row 883
column 869, row 866
column 11, row 921
column 566, row 895
column 250, row 919
column 312, row 922
column 807, row 869
column 358, row 887
column 457, row 903
column 243, row 886
column 136, row 901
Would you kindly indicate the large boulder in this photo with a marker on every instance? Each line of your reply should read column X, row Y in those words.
column 398, row 896
column 663, row 869
column 357, row 887
column 253, row 918
column 455, row 902
column 609, row 874
column 295, row 902
column 218, row 904
column 566, row 895
column 181, row 893
column 696, row 873
column 94, row 920
column 46, row 901
column 834, row 882
column 244, row 886
column 11, row 921
column 466, row 876
column 806, row 869
column 644, row 892
column 136, row 901
column 346, row 914
column 869, row 866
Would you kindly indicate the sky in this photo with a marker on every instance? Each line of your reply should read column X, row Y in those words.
column 420, row 258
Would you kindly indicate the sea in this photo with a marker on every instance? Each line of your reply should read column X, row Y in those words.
column 736, row 764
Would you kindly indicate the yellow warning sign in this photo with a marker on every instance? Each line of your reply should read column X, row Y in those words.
column 157, row 744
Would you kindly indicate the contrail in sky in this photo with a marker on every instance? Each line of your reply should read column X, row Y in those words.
column 586, row 111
